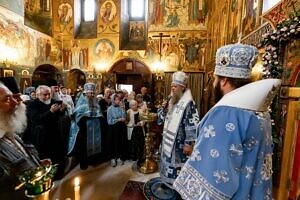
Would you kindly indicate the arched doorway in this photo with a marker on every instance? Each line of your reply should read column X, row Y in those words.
column 76, row 78
column 133, row 72
column 46, row 75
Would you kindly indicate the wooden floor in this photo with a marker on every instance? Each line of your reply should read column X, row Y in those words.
column 101, row 182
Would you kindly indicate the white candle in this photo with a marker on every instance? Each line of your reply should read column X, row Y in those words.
column 77, row 188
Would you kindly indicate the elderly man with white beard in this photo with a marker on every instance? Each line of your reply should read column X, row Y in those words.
column 180, row 118
column 15, row 156
column 46, row 134
column 85, row 133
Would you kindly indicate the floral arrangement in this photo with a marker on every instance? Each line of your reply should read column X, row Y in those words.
column 38, row 180
column 286, row 30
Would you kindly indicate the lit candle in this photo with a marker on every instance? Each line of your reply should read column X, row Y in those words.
column 77, row 188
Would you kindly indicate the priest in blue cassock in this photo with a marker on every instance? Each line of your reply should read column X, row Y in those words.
column 232, row 158
column 85, row 133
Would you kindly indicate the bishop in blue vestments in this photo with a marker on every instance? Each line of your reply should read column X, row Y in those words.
column 232, row 158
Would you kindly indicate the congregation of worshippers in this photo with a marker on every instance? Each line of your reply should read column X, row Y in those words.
column 57, row 131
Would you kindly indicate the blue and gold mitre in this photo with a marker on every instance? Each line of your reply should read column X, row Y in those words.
column 89, row 87
column 235, row 60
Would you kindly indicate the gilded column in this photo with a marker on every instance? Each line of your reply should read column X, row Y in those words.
column 258, row 13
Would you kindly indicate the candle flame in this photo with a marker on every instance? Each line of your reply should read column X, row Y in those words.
column 76, row 181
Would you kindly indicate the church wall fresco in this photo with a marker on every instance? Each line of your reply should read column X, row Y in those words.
column 174, row 15
column 232, row 35
column 179, row 51
column 63, row 18
column 181, row 41
column 23, row 46
column 249, row 16
column 38, row 15
column 108, row 22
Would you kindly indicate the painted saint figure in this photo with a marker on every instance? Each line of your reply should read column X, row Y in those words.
column 65, row 13
column 108, row 12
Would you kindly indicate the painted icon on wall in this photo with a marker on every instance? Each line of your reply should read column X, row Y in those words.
column 65, row 13
column 8, row 73
column 25, row 72
column 108, row 11
column 136, row 30
column 104, row 49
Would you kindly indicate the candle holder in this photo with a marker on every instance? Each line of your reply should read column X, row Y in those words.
column 38, row 182
column 149, row 165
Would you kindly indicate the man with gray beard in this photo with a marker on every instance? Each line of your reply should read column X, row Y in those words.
column 15, row 156
column 180, row 118
column 46, row 134
column 85, row 133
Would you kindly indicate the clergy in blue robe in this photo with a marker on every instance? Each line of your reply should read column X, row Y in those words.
column 232, row 158
column 85, row 132
column 179, row 132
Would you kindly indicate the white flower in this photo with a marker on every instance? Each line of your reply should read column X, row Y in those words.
column 274, row 48
column 283, row 29
column 276, row 62
column 275, row 56
column 273, row 37
column 293, row 31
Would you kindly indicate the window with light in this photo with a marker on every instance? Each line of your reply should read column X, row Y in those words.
column 137, row 8
column 89, row 10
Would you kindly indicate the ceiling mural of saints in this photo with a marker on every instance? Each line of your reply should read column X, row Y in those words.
column 104, row 49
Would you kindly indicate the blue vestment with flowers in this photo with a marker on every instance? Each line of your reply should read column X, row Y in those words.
column 232, row 158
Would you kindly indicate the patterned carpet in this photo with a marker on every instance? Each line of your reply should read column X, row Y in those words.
column 133, row 191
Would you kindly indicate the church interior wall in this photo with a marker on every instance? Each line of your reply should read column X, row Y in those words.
column 179, row 41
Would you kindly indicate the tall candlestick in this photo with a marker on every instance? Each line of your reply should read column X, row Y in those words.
column 77, row 188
